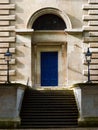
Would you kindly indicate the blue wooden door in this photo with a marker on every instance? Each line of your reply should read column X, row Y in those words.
column 49, row 68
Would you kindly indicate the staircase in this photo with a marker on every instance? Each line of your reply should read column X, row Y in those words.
column 48, row 109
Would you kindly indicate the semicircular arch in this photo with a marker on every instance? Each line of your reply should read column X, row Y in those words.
column 48, row 10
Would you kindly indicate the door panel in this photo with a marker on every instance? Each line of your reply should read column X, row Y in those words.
column 49, row 68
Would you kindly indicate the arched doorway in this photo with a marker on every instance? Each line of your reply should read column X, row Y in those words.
column 49, row 51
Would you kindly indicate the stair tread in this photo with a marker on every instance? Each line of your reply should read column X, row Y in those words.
column 48, row 109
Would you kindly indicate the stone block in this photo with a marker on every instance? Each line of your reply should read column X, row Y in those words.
column 90, row 17
column 11, row 73
column 7, row 6
column 4, row 34
column 95, row 55
column 9, row 17
column 93, row 34
column 93, row 23
column 4, row 12
column 95, row 12
column 9, row 28
column 2, row 23
column 3, row 78
column 93, row 62
column 4, row 50
column 3, row 67
column 92, row 72
column 90, row 28
column 91, row 39
column 4, row 45
column 7, row 39
column 4, row 1
column 3, row 62
column 93, row 45
column 94, row 78
column 89, row 6
column 93, row 1
column 94, row 67
column 1, row 56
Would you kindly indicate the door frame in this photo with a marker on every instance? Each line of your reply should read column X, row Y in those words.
column 61, row 48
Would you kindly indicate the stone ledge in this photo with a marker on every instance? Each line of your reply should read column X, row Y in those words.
column 9, row 122
column 24, row 31
column 88, row 122
column 4, row 85
column 85, row 85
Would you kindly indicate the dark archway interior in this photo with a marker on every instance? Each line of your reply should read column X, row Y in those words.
column 49, row 22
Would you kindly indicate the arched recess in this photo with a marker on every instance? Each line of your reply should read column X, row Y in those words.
column 48, row 10
column 46, row 43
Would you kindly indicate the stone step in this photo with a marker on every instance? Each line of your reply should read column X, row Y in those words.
column 53, row 109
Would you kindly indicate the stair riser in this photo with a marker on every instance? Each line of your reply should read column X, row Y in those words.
column 49, row 109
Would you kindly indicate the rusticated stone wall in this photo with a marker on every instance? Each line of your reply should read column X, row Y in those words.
column 7, row 37
column 90, row 19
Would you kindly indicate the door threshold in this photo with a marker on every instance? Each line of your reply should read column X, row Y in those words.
column 52, row 88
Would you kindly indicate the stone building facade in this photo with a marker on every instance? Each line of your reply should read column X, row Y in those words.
column 31, row 46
